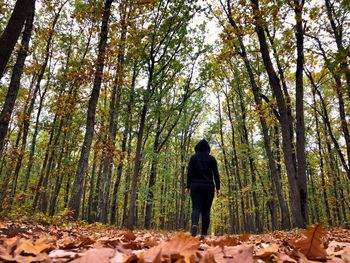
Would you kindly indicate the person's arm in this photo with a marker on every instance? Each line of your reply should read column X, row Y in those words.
column 189, row 174
column 216, row 177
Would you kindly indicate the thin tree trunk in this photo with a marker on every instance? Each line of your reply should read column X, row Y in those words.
column 232, row 215
column 123, row 148
column 299, row 108
column 44, row 197
column 343, row 52
column 320, row 152
column 74, row 202
column 90, row 218
column 153, row 174
column 59, row 178
column 132, row 202
column 114, row 113
column 46, row 158
column 325, row 117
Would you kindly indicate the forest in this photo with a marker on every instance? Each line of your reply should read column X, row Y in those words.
column 102, row 103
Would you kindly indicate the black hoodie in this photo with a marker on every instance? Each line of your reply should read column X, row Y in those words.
column 203, row 168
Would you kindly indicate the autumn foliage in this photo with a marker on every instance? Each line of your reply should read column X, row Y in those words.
column 75, row 243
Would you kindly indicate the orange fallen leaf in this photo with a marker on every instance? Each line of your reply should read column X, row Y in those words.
column 311, row 245
column 268, row 251
column 129, row 235
column 27, row 247
column 244, row 237
column 283, row 258
column 225, row 241
column 346, row 255
column 242, row 253
column 181, row 246
column 101, row 255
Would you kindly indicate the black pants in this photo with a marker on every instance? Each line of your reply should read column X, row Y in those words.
column 202, row 196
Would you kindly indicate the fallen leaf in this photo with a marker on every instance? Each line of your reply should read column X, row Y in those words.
column 244, row 237
column 27, row 247
column 59, row 253
column 101, row 255
column 182, row 245
column 129, row 235
column 311, row 245
column 225, row 241
column 242, row 253
column 268, row 251
column 346, row 255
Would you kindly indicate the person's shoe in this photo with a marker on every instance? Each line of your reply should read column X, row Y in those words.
column 202, row 237
column 194, row 230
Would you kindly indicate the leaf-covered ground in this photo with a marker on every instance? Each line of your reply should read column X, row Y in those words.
column 86, row 243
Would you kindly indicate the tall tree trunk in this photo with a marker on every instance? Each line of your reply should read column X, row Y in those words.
column 320, row 153
column 37, row 192
column 123, row 147
column 33, row 143
column 153, row 174
column 59, row 178
column 74, row 202
column 137, row 162
column 90, row 218
column 299, row 98
column 284, row 119
column 44, row 196
column 258, row 223
column 232, row 215
column 14, row 86
column 9, row 37
column 127, row 180
column 325, row 117
column 237, row 169
column 114, row 112
column 267, row 141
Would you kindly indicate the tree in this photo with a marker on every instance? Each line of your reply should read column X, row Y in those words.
column 75, row 197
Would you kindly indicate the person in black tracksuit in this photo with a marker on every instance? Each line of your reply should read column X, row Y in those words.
column 202, row 172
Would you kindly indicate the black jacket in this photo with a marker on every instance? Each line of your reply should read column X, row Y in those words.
column 203, row 168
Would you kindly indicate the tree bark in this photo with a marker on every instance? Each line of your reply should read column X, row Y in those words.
column 9, row 37
column 284, row 118
column 14, row 86
column 74, row 202
column 123, row 147
column 114, row 114
column 299, row 108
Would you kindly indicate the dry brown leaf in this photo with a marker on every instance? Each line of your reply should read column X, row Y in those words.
column 242, row 253
column 67, row 243
column 62, row 254
column 182, row 245
column 244, row 237
column 346, row 255
column 225, row 241
column 150, row 242
column 208, row 258
column 282, row 258
column 336, row 248
column 268, row 251
column 5, row 255
column 129, row 235
column 26, row 247
column 101, row 255
column 43, row 258
column 311, row 246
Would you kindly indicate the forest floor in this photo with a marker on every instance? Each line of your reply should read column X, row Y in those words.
column 73, row 242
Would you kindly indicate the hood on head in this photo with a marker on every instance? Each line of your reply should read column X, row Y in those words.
column 202, row 146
